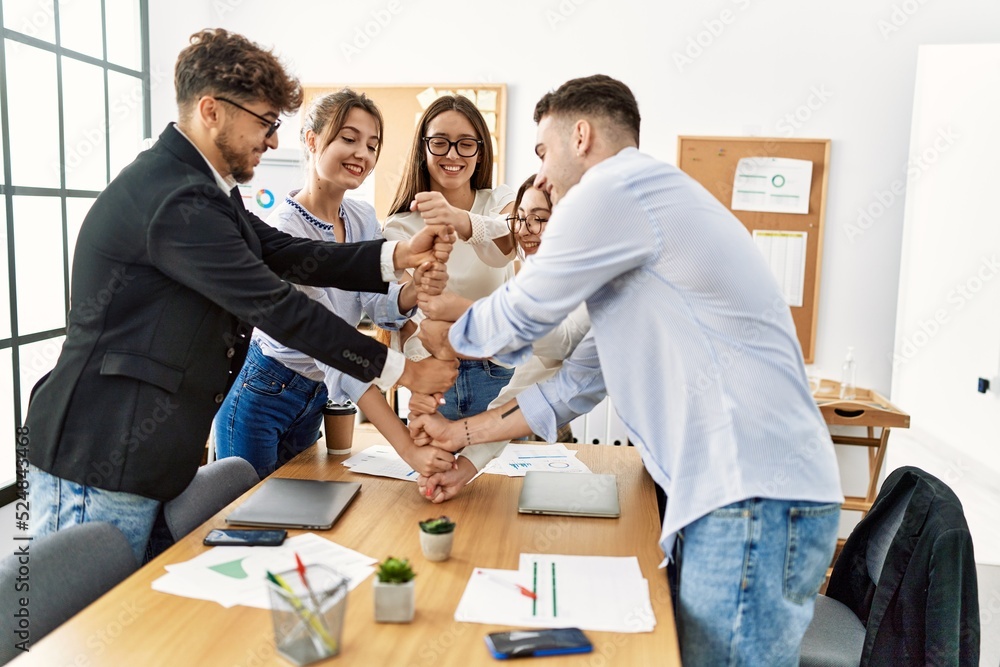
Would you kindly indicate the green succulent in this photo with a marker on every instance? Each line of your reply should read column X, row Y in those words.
column 395, row 571
column 438, row 526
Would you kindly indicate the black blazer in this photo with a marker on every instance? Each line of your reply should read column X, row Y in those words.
column 169, row 276
column 925, row 609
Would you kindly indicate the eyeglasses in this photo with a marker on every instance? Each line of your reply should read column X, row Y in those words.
column 532, row 222
column 272, row 125
column 440, row 146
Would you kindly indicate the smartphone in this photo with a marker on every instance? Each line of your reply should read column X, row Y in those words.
column 529, row 643
column 245, row 538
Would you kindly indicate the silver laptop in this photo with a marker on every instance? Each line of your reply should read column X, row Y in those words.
column 295, row 503
column 569, row 494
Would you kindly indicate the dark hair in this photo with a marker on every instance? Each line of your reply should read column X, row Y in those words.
column 417, row 178
column 327, row 114
column 218, row 62
column 529, row 183
column 597, row 95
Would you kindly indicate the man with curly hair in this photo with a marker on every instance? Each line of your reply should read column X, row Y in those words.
column 170, row 275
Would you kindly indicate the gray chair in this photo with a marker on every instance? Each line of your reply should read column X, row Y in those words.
column 67, row 570
column 214, row 486
column 836, row 637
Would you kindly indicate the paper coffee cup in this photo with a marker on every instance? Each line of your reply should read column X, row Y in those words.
column 338, row 426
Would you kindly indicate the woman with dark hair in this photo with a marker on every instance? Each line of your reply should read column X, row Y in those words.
column 449, row 179
column 274, row 409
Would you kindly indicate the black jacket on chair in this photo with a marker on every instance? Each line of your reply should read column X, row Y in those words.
column 170, row 274
column 925, row 608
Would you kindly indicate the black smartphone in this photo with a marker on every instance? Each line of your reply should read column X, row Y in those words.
column 245, row 538
column 530, row 643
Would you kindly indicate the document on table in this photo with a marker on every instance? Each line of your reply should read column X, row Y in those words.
column 381, row 461
column 599, row 593
column 236, row 575
column 516, row 459
column 772, row 184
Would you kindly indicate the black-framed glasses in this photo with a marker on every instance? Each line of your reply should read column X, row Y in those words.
column 440, row 146
column 532, row 222
column 272, row 125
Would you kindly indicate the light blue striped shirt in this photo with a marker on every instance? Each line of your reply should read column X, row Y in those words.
column 360, row 224
column 695, row 340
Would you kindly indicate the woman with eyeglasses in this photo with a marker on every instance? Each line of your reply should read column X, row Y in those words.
column 275, row 407
column 527, row 224
column 449, row 179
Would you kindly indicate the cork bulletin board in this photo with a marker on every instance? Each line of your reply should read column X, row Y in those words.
column 401, row 107
column 712, row 161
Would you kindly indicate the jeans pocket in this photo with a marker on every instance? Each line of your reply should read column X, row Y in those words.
column 812, row 532
column 261, row 382
column 498, row 372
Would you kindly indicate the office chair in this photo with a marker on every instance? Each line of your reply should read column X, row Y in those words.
column 878, row 609
column 67, row 570
column 214, row 486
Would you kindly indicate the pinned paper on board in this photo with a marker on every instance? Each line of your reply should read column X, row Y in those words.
column 785, row 253
column 772, row 185
column 426, row 96
column 486, row 100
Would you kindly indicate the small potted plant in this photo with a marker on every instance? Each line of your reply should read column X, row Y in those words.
column 436, row 537
column 394, row 591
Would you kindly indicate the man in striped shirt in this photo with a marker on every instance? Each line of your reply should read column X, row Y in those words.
column 694, row 342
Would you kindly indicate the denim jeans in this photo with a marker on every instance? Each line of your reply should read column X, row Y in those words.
column 748, row 577
column 57, row 503
column 478, row 383
column 270, row 414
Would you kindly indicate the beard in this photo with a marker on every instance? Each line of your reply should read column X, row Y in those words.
column 240, row 164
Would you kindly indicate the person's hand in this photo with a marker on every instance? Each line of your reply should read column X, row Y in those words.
column 432, row 243
column 446, row 306
column 443, row 486
column 427, row 460
column 430, row 279
column 430, row 375
column 435, row 209
column 441, row 432
column 424, row 403
column 434, row 335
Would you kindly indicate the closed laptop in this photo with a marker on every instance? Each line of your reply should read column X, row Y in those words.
column 567, row 494
column 295, row 503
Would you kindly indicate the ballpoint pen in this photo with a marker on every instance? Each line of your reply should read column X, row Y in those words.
column 509, row 584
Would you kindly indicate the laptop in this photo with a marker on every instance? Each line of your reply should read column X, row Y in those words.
column 568, row 494
column 295, row 503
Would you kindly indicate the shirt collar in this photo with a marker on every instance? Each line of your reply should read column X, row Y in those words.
column 228, row 183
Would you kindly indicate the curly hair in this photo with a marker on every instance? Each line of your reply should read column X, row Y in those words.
column 598, row 95
column 218, row 62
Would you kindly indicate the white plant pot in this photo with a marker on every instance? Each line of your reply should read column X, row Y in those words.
column 436, row 546
column 394, row 603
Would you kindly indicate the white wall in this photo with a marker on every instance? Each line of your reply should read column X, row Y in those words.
column 948, row 328
column 785, row 68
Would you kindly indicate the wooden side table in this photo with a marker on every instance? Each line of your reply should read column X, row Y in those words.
column 868, row 409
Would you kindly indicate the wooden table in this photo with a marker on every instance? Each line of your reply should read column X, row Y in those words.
column 135, row 625
column 867, row 409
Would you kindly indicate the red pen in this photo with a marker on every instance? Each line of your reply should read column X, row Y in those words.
column 509, row 584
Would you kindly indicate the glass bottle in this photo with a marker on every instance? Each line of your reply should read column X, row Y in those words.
column 848, row 386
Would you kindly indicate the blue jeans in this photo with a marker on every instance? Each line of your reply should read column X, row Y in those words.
column 270, row 414
column 748, row 576
column 478, row 383
column 57, row 503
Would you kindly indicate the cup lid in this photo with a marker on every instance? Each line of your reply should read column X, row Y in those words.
column 334, row 409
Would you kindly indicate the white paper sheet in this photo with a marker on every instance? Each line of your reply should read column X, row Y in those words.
column 381, row 461
column 589, row 592
column 517, row 459
column 772, row 184
column 785, row 253
column 235, row 575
